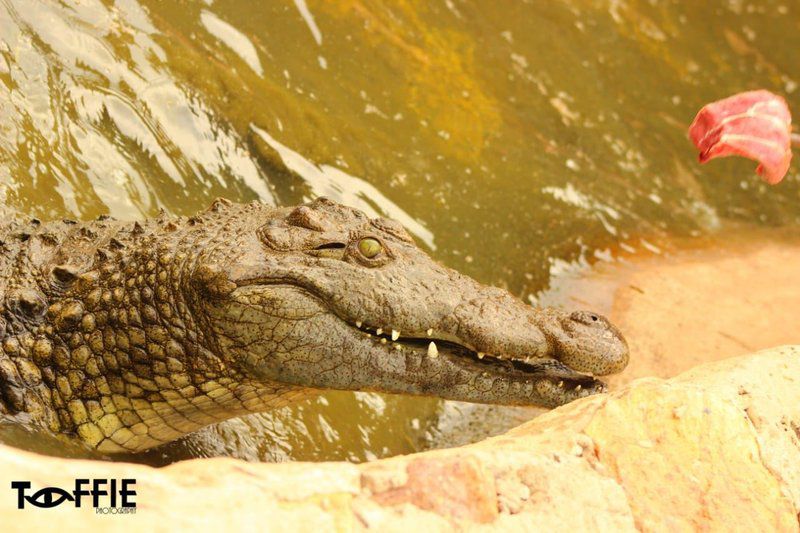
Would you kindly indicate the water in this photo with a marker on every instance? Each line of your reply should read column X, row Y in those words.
column 513, row 139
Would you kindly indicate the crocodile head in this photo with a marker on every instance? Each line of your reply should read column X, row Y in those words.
column 323, row 297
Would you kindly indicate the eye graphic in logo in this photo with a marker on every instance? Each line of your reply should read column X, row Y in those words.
column 49, row 497
column 45, row 498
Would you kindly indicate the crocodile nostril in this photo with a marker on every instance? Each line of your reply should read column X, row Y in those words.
column 585, row 317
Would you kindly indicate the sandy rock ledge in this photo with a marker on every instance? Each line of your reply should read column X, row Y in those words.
column 716, row 448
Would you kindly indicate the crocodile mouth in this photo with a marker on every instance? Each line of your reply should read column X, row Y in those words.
column 546, row 372
column 541, row 381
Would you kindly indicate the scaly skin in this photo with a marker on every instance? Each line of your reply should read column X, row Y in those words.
column 130, row 335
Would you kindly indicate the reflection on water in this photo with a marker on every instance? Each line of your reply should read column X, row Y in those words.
column 233, row 38
column 339, row 425
column 513, row 139
column 326, row 180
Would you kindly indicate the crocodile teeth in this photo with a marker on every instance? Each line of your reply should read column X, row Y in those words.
column 433, row 352
column 398, row 347
column 379, row 331
column 429, row 332
column 358, row 323
column 383, row 340
column 578, row 388
column 481, row 355
column 395, row 334
column 560, row 383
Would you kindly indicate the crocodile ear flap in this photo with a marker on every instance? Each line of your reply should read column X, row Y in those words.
column 282, row 237
column 306, row 217
column 298, row 231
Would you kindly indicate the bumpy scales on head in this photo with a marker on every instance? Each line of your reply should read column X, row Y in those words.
column 130, row 335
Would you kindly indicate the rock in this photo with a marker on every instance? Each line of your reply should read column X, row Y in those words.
column 717, row 447
column 455, row 487
column 682, row 447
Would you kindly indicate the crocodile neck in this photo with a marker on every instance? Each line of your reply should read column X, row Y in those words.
column 98, row 340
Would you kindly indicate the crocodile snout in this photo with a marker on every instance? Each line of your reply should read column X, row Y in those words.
column 588, row 342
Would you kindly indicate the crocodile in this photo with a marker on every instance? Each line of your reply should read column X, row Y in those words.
column 129, row 334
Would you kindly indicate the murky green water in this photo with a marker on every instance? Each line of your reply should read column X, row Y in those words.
column 511, row 138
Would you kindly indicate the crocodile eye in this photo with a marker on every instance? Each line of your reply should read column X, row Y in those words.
column 370, row 247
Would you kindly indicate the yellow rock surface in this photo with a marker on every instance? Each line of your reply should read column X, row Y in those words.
column 688, row 459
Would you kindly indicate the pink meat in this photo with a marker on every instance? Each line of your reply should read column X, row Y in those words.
column 754, row 124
